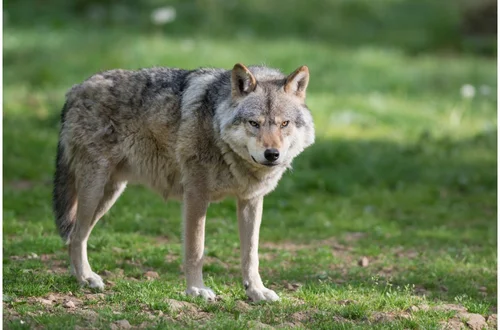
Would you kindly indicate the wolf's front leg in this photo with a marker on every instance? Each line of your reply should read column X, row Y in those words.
column 249, row 218
column 195, row 210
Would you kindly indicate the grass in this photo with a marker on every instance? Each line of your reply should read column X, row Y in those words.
column 403, row 172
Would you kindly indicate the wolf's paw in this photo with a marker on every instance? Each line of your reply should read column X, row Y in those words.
column 93, row 281
column 262, row 294
column 204, row 292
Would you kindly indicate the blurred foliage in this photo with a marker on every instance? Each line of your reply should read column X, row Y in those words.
column 411, row 25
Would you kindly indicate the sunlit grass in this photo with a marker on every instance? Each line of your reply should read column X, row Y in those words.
column 403, row 172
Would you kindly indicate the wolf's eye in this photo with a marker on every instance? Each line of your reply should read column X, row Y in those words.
column 284, row 124
column 254, row 124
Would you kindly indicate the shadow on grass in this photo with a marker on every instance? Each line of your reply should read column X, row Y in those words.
column 337, row 166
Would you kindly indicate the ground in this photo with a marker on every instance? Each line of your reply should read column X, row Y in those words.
column 388, row 221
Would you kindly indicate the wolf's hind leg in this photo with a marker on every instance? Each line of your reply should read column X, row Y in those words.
column 95, row 197
column 112, row 191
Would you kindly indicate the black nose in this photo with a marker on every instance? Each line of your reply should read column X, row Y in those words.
column 271, row 154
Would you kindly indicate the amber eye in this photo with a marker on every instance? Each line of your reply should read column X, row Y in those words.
column 254, row 124
column 284, row 124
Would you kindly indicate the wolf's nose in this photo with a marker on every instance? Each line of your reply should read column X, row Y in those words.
column 271, row 154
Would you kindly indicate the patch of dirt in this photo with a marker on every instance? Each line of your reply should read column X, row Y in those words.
column 403, row 253
column 292, row 286
column 170, row 258
column 184, row 309
column 452, row 324
column 296, row 301
column 492, row 321
column 287, row 246
column 242, row 306
column 294, row 247
column 177, row 305
column 450, row 307
column 56, row 299
column 57, row 267
column 353, row 236
column 387, row 271
column 116, row 273
column 121, row 324
column 151, row 275
column 258, row 325
column 77, row 327
column 31, row 256
column 55, row 302
column 474, row 321
column 116, row 249
column 216, row 261
column 383, row 317
column 270, row 251
column 461, row 318
column 303, row 316
column 345, row 302
column 162, row 241
column 420, row 290
column 288, row 325
column 414, row 309
column 52, row 262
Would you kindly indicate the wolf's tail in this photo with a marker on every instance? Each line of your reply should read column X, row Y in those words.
column 64, row 194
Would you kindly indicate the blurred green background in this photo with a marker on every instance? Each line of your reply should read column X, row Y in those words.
column 403, row 94
column 414, row 26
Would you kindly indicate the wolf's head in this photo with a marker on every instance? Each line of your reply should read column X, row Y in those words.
column 267, row 122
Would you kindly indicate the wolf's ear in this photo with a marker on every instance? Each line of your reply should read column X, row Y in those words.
column 242, row 81
column 296, row 83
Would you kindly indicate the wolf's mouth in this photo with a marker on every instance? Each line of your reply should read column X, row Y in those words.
column 265, row 164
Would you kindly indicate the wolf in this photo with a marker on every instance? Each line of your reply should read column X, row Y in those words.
column 193, row 135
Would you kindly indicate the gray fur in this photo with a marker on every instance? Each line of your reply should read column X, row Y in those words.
column 183, row 133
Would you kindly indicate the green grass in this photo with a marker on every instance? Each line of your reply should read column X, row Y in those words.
column 403, row 172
